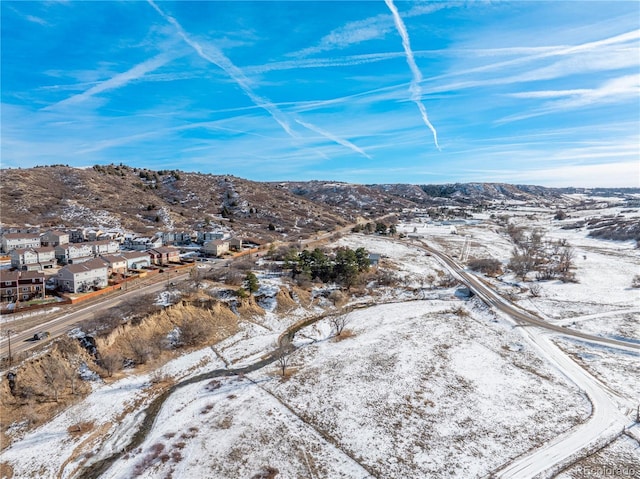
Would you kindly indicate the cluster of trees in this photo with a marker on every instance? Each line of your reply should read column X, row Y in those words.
column 111, row 169
column 342, row 266
column 532, row 252
column 378, row 227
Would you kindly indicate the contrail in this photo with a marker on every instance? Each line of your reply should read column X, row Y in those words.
column 119, row 80
column 415, row 89
column 334, row 138
column 219, row 59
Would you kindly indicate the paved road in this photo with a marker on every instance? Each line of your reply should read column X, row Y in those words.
column 522, row 318
column 610, row 409
column 64, row 321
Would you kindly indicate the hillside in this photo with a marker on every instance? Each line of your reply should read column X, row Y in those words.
column 144, row 200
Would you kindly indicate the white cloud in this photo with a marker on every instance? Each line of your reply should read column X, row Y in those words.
column 37, row 20
column 604, row 175
column 349, row 34
column 619, row 89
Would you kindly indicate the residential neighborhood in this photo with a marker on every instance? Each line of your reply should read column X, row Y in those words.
column 79, row 260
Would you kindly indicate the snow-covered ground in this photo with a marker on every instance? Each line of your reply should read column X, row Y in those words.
column 113, row 411
column 416, row 391
column 431, row 385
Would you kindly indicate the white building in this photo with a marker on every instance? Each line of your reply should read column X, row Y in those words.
column 33, row 259
column 139, row 243
column 83, row 277
column 74, row 253
column 137, row 259
column 11, row 241
column 215, row 247
column 104, row 247
column 115, row 263
column 204, row 236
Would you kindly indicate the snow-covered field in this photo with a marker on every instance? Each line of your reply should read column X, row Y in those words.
column 416, row 391
column 428, row 385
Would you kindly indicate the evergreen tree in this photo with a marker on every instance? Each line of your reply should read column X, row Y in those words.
column 251, row 283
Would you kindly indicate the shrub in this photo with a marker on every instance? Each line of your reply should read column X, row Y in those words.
column 488, row 266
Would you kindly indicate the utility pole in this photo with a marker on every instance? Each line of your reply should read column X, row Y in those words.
column 9, row 333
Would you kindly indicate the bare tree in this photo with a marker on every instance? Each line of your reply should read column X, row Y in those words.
column 194, row 330
column 565, row 261
column 111, row 362
column 141, row 350
column 197, row 276
column 54, row 375
column 283, row 353
column 338, row 323
column 521, row 262
column 535, row 290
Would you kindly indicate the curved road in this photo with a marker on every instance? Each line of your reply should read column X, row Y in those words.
column 609, row 413
column 522, row 318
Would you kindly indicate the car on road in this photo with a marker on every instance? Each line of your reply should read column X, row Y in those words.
column 41, row 335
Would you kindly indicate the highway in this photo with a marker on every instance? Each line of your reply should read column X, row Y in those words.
column 609, row 409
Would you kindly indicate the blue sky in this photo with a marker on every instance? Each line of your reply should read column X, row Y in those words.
column 543, row 92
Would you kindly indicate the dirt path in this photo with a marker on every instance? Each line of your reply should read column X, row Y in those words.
column 96, row 469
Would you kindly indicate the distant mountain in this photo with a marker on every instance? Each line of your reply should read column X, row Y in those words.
column 144, row 200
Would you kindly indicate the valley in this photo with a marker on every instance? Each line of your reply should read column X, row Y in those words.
column 422, row 367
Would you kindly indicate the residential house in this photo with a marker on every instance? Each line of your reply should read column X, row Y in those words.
column 116, row 264
column 82, row 277
column 139, row 243
column 136, row 259
column 374, row 259
column 31, row 285
column 9, row 285
column 93, row 235
column 111, row 235
column 177, row 237
column 77, row 236
column 11, row 241
column 164, row 255
column 235, row 244
column 21, row 285
column 104, row 247
column 33, row 259
column 204, row 236
column 54, row 238
column 74, row 253
column 215, row 247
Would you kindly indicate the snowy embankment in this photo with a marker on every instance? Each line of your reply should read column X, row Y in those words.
column 113, row 412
